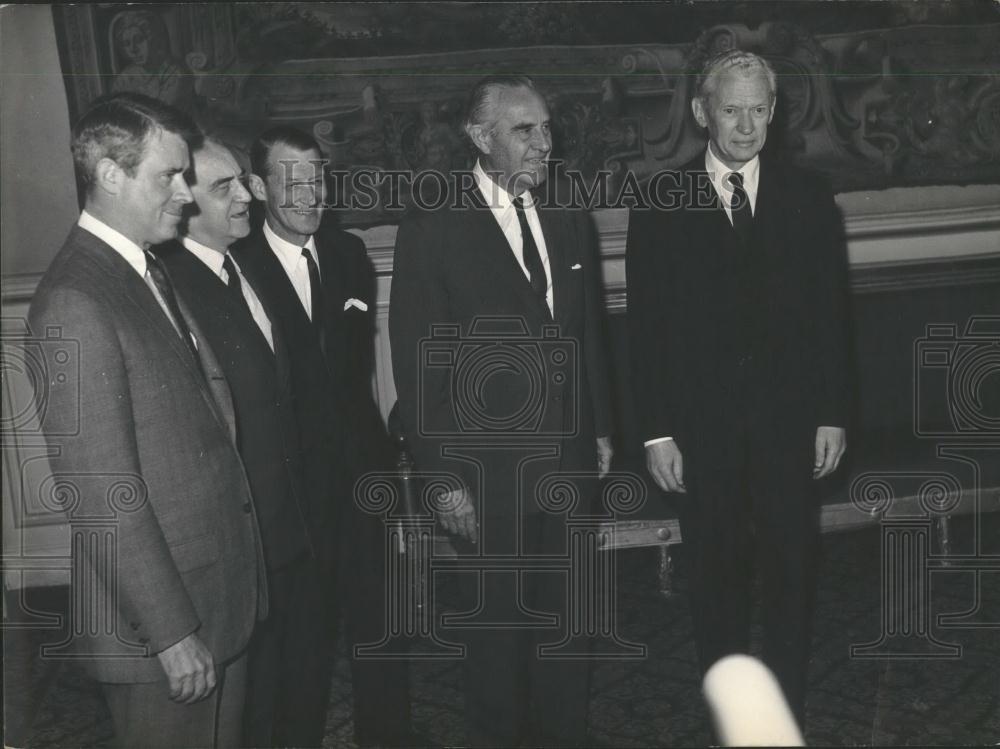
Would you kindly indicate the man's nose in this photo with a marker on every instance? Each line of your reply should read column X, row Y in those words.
column 182, row 193
column 543, row 142
column 745, row 123
column 242, row 193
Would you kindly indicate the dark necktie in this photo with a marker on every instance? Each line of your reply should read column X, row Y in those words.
column 315, row 286
column 166, row 289
column 529, row 251
column 740, row 207
column 234, row 285
column 316, row 293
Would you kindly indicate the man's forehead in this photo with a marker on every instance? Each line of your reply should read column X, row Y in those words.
column 216, row 161
column 739, row 83
column 522, row 105
column 164, row 146
column 285, row 159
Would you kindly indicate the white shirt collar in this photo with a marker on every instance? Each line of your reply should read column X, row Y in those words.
column 498, row 199
column 212, row 258
column 129, row 250
column 719, row 173
column 289, row 254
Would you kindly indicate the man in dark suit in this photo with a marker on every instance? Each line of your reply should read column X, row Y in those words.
column 737, row 314
column 253, row 357
column 155, row 450
column 501, row 267
column 319, row 287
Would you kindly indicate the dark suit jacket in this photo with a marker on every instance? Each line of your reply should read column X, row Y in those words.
column 188, row 550
column 342, row 431
column 454, row 266
column 266, row 428
column 703, row 311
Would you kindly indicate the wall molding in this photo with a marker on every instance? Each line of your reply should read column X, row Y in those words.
column 975, row 258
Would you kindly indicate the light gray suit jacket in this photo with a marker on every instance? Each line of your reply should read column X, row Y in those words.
column 166, row 540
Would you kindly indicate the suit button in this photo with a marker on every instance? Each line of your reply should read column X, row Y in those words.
column 134, row 625
column 557, row 398
column 143, row 640
column 246, row 508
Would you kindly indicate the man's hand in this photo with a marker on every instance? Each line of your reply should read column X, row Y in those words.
column 666, row 466
column 190, row 670
column 458, row 515
column 830, row 445
column 604, row 455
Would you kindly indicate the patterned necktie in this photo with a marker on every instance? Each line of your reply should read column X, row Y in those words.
column 166, row 289
column 740, row 207
column 529, row 251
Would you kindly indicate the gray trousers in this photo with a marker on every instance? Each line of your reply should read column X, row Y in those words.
column 145, row 716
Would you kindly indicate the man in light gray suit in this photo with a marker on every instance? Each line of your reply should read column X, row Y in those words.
column 182, row 583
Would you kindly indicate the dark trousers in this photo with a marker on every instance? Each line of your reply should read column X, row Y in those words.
column 381, row 687
column 293, row 652
column 751, row 507
column 291, row 661
column 515, row 695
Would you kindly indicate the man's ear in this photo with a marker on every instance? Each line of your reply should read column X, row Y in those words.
column 257, row 188
column 108, row 176
column 699, row 112
column 480, row 137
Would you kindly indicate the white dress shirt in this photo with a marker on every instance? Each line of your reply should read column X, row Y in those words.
column 719, row 174
column 134, row 255
column 502, row 207
column 290, row 257
column 214, row 260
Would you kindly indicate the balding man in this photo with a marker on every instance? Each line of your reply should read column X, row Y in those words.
column 737, row 315
column 183, row 581
column 255, row 361
column 502, row 266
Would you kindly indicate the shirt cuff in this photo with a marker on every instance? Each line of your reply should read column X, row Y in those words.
column 647, row 443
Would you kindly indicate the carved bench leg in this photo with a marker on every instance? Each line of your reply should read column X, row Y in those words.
column 942, row 525
column 666, row 572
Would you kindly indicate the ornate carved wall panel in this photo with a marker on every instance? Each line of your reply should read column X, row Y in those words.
column 911, row 104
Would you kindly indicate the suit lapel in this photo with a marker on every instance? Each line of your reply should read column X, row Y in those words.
column 768, row 221
column 281, row 360
column 271, row 281
column 134, row 291
column 492, row 244
column 273, row 287
column 717, row 221
column 215, row 378
column 554, row 231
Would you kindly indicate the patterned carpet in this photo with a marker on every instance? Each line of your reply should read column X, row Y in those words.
column 656, row 701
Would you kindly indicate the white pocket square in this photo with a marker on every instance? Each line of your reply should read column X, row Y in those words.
column 576, row 267
column 352, row 302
